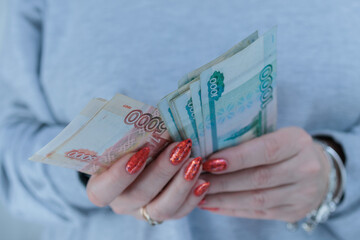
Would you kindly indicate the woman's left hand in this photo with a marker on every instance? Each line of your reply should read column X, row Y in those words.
column 281, row 176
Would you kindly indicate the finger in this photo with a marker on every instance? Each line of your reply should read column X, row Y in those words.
column 268, row 149
column 104, row 188
column 287, row 213
column 194, row 198
column 260, row 177
column 172, row 198
column 156, row 175
column 254, row 200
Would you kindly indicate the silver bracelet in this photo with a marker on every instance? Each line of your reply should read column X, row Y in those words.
column 337, row 182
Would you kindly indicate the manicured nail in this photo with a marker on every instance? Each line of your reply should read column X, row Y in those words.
column 202, row 202
column 215, row 165
column 210, row 209
column 201, row 189
column 181, row 151
column 137, row 161
column 192, row 169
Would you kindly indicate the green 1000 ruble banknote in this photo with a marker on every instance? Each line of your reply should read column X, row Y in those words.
column 238, row 95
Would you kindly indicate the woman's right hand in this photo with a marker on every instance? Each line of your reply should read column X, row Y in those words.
column 169, row 186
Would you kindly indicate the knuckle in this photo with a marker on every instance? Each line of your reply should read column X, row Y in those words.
column 259, row 199
column 261, row 176
column 118, row 209
column 272, row 147
column 296, row 130
column 139, row 196
column 304, row 139
column 181, row 189
column 159, row 214
column 164, row 173
column 94, row 198
column 315, row 168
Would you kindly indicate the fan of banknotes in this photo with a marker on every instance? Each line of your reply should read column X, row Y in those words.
column 221, row 104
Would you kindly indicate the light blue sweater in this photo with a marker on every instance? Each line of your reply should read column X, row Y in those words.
column 57, row 55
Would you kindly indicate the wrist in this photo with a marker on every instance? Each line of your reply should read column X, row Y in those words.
column 337, row 152
column 338, row 169
column 336, row 186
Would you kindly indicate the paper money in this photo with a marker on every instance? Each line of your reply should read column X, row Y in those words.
column 75, row 125
column 238, row 95
column 116, row 128
column 168, row 117
column 182, row 107
column 221, row 104
column 175, row 106
column 226, row 97
column 235, row 49
column 196, row 103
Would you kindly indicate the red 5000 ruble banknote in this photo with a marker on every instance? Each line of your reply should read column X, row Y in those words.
column 104, row 132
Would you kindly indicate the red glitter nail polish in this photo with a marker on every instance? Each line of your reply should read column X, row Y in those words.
column 137, row 161
column 180, row 152
column 210, row 209
column 192, row 169
column 201, row 189
column 215, row 165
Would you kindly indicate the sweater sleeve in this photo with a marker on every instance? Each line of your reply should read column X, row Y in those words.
column 33, row 191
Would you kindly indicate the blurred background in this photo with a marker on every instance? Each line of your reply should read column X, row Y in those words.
column 10, row 227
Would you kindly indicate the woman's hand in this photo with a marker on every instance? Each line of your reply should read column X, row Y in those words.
column 167, row 186
column 281, row 176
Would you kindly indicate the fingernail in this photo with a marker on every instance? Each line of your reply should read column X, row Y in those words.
column 137, row 161
column 202, row 202
column 192, row 169
column 201, row 189
column 180, row 152
column 210, row 209
column 215, row 165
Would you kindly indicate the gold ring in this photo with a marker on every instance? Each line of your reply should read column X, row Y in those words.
column 147, row 217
